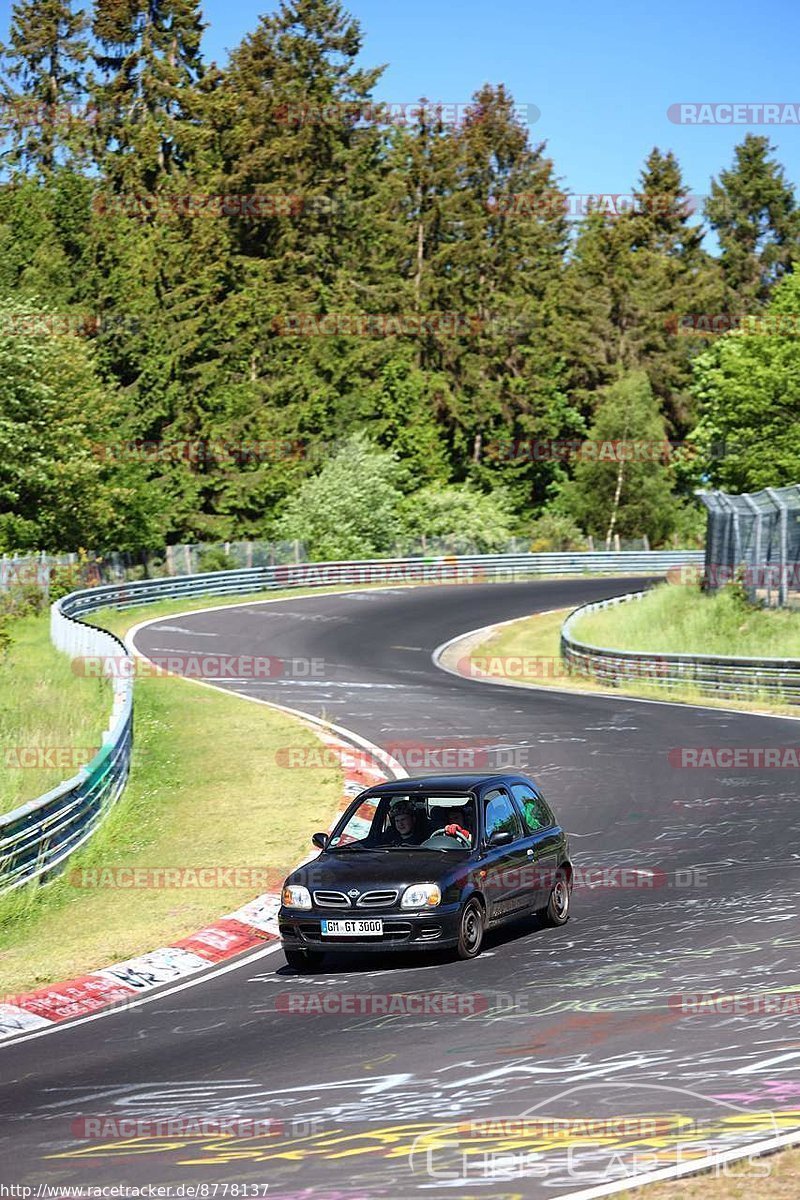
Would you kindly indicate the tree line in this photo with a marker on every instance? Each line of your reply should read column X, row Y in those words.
column 248, row 301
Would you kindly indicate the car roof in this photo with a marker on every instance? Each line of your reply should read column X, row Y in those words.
column 464, row 782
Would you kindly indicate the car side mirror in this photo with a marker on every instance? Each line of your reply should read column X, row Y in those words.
column 320, row 840
column 501, row 837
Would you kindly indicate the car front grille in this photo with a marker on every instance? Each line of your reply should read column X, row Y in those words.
column 382, row 899
column 331, row 900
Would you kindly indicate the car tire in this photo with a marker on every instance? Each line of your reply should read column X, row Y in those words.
column 471, row 929
column 302, row 960
column 557, row 910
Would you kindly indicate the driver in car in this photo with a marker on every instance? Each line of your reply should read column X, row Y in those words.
column 457, row 822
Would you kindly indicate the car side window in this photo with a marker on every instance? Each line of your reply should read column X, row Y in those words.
column 536, row 814
column 500, row 815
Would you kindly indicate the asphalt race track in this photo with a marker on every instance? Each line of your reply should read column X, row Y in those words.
column 573, row 1024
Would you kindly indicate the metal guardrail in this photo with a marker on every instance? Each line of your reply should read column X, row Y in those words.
column 715, row 675
column 481, row 568
column 38, row 837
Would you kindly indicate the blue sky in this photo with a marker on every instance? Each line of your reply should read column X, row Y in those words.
column 602, row 74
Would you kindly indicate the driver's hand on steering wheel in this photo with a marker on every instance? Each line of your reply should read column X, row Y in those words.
column 454, row 830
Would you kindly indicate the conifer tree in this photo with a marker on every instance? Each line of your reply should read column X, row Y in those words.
column 148, row 56
column 43, row 80
column 753, row 210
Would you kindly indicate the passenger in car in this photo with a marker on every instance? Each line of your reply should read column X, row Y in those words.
column 403, row 828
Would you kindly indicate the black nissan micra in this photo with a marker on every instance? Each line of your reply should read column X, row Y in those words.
column 416, row 864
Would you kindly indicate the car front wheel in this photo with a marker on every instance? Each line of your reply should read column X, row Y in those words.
column 557, row 911
column 470, row 931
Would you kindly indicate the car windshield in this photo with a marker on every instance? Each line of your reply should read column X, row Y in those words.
column 408, row 821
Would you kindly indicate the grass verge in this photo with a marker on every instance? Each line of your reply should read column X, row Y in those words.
column 528, row 653
column 205, row 791
column 51, row 720
column 776, row 1176
column 680, row 619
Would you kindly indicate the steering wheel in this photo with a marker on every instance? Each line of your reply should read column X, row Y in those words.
column 459, row 834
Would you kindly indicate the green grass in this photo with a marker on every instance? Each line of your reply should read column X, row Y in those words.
column 46, row 710
column 537, row 639
column 681, row 619
column 776, row 1176
column 205, row 790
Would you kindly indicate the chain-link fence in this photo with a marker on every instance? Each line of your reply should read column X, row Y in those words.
column 90, row 569
column 755, row 538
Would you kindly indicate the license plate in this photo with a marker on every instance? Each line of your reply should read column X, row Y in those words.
column 352, row 928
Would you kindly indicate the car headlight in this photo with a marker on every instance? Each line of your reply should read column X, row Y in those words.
column 296, row 896
column 421, row 895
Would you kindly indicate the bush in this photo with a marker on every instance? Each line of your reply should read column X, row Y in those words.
column 472, row 521
column 22, row 600
column 213, row 559
column 350, row 509
column 629, row 498
column 555, row 531
column 64, row 580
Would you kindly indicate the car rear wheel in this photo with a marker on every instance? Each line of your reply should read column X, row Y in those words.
column 557, row 911
column 303, row 960
column 470, row 931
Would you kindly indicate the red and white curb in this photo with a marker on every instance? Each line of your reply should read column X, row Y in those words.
column 231, row 935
